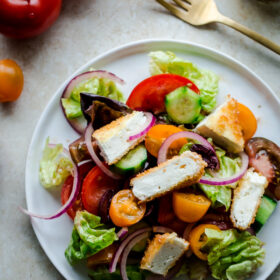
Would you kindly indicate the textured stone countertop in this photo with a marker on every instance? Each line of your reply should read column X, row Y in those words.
column 85, row 29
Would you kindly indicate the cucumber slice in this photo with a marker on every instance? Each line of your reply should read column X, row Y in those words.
column 183, row 105
column 265, row 210
column 133, row 162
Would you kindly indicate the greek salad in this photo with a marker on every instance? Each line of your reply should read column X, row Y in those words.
column 165, row 184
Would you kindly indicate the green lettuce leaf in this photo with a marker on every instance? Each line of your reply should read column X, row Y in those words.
column 233, row 255
column 193, row 269
column 88, row 237
column 208, row 82
column 54, row 167
column 221, row 195
column 72, row 108
column 103, row 87
column 102, row 273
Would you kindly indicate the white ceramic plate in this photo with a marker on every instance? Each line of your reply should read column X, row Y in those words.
column 130, row 62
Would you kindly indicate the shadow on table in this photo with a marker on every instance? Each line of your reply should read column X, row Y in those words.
column 74, row 8
column 269, row 8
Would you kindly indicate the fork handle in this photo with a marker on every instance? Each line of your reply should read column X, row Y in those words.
column 250, row 33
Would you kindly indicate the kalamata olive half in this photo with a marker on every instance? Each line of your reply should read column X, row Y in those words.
column 264, row 156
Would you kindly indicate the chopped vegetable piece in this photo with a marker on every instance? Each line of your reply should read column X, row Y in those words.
column 133, row 162
column 264, row 156
column 72, row 108
column 54, row 167
column 103, row 87
column 149, row 94
column 125, row 210
column 265, row 210
column 95, row 184
column 248, row 121
column 190, row 207
column 198, row 238
column 183, row 106
column 221, row 195
column 156, row 136
column 206, row 81
column 65, row 194
column 233, row 255
column 88, row 237
column 104, row 256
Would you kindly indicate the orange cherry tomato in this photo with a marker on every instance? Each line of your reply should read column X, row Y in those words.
column 190, row 207
column 156, row 136
column 197, row 239
column 102, row 257
column 11, row 80
column 248, row 121
column 125, row 210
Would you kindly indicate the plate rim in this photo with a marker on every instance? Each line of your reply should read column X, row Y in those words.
column 134, row 44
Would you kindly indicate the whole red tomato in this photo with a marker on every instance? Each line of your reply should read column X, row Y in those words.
column 27, row 18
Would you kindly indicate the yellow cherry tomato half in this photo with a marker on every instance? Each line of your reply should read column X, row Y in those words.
column 190, row 207
column 156, row 136
column 124, row 209
column 248, row 121
column 197, row 239
column 11, row 80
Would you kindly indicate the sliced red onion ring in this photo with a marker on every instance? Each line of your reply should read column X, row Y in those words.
column 150, row 207
column 72, row 198
column 229, row 180
column 104, row 205
column 99, row 163
column 151, row 120
column 122, row 233
column 160, row 229
column 187, row 231
column 162, row 154
column 76, row 124
column 84, row 162
column 113, row 264
column 127, row 250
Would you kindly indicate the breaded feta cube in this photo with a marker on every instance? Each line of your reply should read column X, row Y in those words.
column 113, row 139
column 163, row 252
column 178, row 172
column 224, row 127
column 247, row 198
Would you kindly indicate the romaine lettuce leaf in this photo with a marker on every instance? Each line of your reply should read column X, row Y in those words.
column 208, row 82
column 193, row 269
column 102, row 273
column 103, row 87
column 221, row 195
column 233, row 255
column 88, row 237
column 72, row 108
column 54, row 167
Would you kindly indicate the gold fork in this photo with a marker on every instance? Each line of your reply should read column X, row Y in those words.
column 200, row 12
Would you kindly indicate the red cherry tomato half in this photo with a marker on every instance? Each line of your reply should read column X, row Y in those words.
column 95, row 184
column 65, row 193
column 23, row 19
column 149, row 94
column 67, row 189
